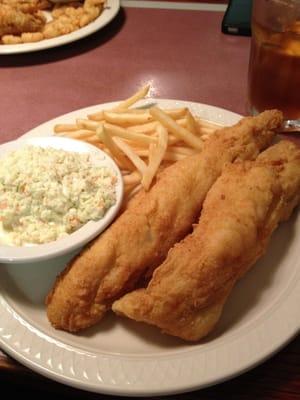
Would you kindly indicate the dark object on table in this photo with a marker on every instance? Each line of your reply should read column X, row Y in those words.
column 237, row 18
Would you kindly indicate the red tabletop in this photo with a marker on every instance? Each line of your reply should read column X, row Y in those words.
column 184, row 55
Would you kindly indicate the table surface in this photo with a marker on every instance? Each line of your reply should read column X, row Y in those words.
column 184, row 55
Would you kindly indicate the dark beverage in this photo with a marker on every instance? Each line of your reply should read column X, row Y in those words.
column 274, row 69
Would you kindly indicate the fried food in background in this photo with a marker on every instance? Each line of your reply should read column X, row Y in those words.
column 139, row 240
column 68, row 18
column 14, row 21
column 187, row 293
column 22, row 21
column 27, row 6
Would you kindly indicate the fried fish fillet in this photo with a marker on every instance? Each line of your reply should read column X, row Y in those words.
column 188, row 291
column 15, row 22
column 138, row 241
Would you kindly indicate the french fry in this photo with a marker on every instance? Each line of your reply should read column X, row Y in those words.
column 131, row 111
column 115, row 130
column 114, row 150
column 80, row 134
column 206, row 130
column 149, row 127
column 128, row 188
column 208, row 124
column 126, row 119
column 170, row 155
column 65, row 128
column 206, row 127
column 124, row 105
column 134, row 158
column 191, row 123
column 88, row 124
column 173, row 140
column 142, row 141
column 173, row 113
column 182, row 122
column 140, row 94
column 97, row 116
column 92, row 139
column 156, row 156
column 176, row 129
column 176, row 113
column 132, row 178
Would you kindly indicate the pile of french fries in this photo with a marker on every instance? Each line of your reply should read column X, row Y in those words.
column 141, row 140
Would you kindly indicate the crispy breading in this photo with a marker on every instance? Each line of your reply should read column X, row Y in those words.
column 27, row 6
column 188, row 291
column 139, row 240
column 14, row 21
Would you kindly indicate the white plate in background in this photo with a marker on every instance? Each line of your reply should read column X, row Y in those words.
column 110, row 11
column 123, row 357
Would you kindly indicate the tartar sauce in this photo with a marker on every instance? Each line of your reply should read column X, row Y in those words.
column 46, row 193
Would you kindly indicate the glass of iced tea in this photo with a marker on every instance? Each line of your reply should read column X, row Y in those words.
column 274, row 67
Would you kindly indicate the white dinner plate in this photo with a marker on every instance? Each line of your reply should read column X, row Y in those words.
column 110, row 11
column 123, row 357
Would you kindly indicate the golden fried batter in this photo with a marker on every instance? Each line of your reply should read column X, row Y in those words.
column 140, row 238
column 14, row 21
column 187, row 292
column 27, row 6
